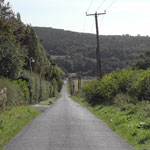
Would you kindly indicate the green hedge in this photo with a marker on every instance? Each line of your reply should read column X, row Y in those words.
column 10, row 94
column 40, row 88
column 23, row 85
column 17, row 92
column 136, row 83
column 141, row 86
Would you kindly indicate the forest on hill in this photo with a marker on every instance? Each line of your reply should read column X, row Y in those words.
column 75, row 52
column 27, row 73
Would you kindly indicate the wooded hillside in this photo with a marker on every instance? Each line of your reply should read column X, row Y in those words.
column 76, row 51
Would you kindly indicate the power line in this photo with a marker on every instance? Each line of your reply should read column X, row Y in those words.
column 85, row 15
column 90, row 5
column 101, row 21
column 105, row 10
column 100, row 5
column 84, row 23
column 111, row 4
column 92, row 27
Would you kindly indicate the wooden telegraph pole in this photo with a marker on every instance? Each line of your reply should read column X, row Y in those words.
column 98, row 55
column 79, row 80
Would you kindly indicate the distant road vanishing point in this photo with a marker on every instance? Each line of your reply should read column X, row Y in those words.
column 67, row 125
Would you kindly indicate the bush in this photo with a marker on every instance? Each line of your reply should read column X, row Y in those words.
column 10, row 94
column 125, row 102
column 135, row 83
column 106, row 89
column 91, row 92
column 40, row 88
column 17, row 92
column 23, row 85
column 141, row 86
column 122, row 99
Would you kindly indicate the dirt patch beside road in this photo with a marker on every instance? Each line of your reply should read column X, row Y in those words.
column 41, row 108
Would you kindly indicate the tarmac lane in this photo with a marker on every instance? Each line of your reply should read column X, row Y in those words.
column 66, row 125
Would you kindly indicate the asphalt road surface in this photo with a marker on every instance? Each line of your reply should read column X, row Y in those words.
column 67, row 125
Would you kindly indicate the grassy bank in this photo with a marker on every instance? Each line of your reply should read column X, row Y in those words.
column 131, row 122
column 13, row 120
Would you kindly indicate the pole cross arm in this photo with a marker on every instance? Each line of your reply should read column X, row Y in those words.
column 96, row 14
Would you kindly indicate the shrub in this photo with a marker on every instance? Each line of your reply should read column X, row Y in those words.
column 141, row 86
column 106, row 89
column 10, row 94
column 40, row 88
column 91, row 92
column 125, row 102
column 23, row 85
column 122, row 99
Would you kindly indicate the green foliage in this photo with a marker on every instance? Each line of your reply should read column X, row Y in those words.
column 18, row 43
column 134, row 83
column 105, row 90
column 143, row 61
column 40, row 88
column 55, row 87
column 23, row 85
column 91, row 91
column 12, row 121
column 124, row 101
column 10, row 94
column 141, row 86
column 11, row 58
column 5, row 10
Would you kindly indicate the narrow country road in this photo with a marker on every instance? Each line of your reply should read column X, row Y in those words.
column 67, row 125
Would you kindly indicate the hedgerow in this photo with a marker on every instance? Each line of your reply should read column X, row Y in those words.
column 10, row 94
column 141, row 86
column 17, row 92
column 136, row 83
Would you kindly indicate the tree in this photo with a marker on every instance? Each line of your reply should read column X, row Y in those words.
column 11, row 58
column 144, row 61
column 5, row 10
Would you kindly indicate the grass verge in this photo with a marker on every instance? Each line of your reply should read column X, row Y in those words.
column 13, row 120
column 131, row 122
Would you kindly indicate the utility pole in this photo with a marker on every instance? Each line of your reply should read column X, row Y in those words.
column 98, row 55
column 79, row 81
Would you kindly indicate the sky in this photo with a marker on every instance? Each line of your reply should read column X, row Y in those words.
column 122, row 16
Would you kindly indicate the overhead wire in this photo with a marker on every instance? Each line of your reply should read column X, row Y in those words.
column 101, row 22
column 90, row 5
column 101, row 5
column 111, row 4
column 84, row 23
column 91, row 31
column 85, row 15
